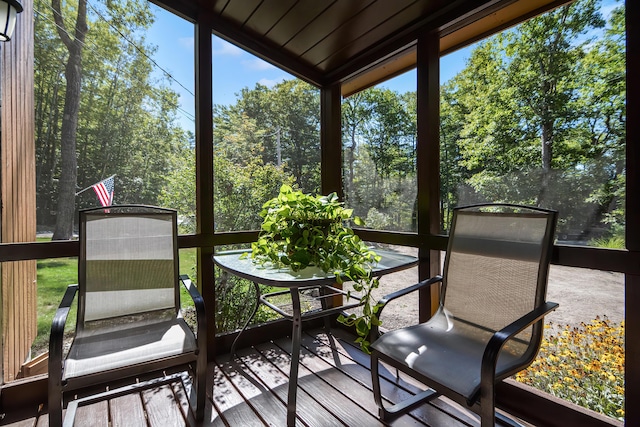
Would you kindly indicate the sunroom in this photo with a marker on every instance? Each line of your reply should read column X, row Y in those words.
column 335, row 123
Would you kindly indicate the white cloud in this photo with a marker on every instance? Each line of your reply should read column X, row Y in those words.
column 257, row 64
column 226, row 48
column 271, row 82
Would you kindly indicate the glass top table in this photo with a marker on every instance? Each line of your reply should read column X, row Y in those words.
column 238, row 264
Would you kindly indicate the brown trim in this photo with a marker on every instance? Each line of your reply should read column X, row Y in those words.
column 403, row 239
column 204, row 168
column 621, row 261
column 493, row 20
column 632, row 281
column 399, row 41
column 235, row 237
column 23, row 394
column 267, row 52
column 542, row 409
column 386, row 70
column 18, row 300
column 476, row 27
column 331, row 140
column 428, row 163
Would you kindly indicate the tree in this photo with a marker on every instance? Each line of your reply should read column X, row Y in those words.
column 73, row 76
column 529, row 115
column 379, row 137
column 126, row 119
column 289, row 116
column 243, row 182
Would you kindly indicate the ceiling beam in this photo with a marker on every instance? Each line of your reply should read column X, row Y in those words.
column 463, row 32
column 402, row 39
column 266, row 51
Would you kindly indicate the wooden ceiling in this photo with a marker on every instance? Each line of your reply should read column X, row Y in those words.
column 331, row 41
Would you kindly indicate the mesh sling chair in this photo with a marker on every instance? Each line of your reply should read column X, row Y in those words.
column 129, row 323
column 490, row 320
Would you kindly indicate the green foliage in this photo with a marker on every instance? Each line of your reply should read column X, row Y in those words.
column 300, row 230
column 287, row 118
column 126, row 119
column 377, row 220
column 235, row 301
column 537, row 117
column 379, row 143
column 54, row 275
column 615, row 242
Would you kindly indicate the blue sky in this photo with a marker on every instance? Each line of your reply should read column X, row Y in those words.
column 235, row 69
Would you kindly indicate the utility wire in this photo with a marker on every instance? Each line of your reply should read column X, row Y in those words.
column 139, row 49
column 94, row 50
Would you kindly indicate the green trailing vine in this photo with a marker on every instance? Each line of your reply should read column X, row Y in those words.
column 300, row 230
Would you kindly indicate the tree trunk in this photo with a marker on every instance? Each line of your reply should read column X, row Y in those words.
column 69, row 163
column 547, row 155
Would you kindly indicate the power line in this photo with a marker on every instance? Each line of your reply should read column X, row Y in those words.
column 93, row 48
column 140, row 50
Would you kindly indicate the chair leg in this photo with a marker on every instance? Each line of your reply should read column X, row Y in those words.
column 375, row 381
column 54, row 385
column 401, row 408
column 201, row 386
column 507, row 421
column 487, row 406
column 55, row 405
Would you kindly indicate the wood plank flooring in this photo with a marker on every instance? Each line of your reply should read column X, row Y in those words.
column 334, row 389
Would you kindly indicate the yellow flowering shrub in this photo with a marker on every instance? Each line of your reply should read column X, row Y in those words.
column 584, row 365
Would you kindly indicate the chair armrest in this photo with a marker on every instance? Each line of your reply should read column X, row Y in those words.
column 402, row 292
column 56, row 336
column 201, row 316
column 491, row 352
column 397, row 294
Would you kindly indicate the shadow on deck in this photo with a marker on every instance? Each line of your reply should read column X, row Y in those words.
column 251, row 390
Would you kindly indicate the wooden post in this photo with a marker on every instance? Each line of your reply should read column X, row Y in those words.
column 632, row 281
column 428, row 161
column 17, row 192
column 204, row 171
column 331, row 148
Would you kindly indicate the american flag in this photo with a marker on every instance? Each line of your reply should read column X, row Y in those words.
column 104, row 191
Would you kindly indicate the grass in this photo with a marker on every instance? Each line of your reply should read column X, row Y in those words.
column 54, row 275
column 615, row 242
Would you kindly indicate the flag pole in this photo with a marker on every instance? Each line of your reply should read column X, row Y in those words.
column 83, row 190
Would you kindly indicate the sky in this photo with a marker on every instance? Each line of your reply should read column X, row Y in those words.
column 235, row 69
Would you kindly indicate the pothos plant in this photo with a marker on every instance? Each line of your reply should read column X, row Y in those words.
column 300, row 230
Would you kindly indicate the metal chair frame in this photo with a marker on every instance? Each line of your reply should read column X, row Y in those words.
column 484, row 401
column 192, row 361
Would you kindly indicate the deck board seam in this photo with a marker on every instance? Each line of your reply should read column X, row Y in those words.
column 346, row 343
column 237, row 389
column 286, row 374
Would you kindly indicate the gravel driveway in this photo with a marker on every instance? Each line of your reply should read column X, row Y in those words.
column 582, row 294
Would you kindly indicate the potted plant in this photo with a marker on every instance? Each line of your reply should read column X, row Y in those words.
column 300, row 230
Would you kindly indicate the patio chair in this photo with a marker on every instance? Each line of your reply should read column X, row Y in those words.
column 490, row 320
column 129, row 324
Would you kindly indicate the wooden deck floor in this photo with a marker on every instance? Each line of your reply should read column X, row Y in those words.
column 251, row 390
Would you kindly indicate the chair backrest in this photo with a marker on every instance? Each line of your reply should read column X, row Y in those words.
column 128, row 267
column 496, row 269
